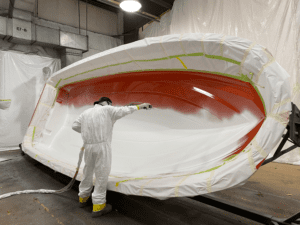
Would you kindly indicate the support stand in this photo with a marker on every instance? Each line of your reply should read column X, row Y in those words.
column 293, row 132
column 278, row 152
column 22, row 152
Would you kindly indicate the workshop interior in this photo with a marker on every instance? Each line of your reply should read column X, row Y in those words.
column 222, row 78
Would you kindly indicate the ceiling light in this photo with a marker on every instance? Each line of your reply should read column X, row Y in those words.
column 130, row 5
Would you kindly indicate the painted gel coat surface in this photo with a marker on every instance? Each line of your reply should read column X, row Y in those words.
column 219, row 107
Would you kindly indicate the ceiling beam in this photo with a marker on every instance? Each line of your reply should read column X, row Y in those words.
column 101, row 5
column 140, row 13
column 162, row 3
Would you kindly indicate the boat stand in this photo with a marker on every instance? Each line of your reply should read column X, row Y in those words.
column 292, row 135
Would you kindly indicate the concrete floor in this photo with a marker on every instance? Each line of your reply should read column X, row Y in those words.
column 24, row 173
column 274, row 189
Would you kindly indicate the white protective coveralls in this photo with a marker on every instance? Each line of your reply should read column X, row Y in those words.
column 96, row 126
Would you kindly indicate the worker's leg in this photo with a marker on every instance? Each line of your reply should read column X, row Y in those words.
column 102, row 171
column 86, row 185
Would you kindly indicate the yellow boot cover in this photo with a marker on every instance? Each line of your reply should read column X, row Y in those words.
column 83, row 200
column 98, row 207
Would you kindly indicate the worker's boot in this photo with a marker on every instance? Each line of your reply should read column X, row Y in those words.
column 83, row 202
column 107, row 209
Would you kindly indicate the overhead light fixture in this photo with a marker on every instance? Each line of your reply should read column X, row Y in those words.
column 130, row 5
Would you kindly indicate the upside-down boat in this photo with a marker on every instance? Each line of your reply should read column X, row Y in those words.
column 220, row 105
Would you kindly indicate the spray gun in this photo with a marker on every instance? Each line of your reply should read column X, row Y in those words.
column 138, row 103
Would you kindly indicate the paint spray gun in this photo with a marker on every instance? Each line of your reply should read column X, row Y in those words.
column 138, row 103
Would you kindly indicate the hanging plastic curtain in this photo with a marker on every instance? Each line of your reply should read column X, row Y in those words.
column 5, row 102
column 22, row 82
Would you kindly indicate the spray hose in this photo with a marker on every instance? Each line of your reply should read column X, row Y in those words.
column 44, row 191
column 69, row 186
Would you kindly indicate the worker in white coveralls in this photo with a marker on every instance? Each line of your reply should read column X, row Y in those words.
column 96, row 126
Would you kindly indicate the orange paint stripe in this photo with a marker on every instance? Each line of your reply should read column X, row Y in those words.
column 258, row 165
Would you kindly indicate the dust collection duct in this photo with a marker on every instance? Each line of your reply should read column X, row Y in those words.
column 221, row 104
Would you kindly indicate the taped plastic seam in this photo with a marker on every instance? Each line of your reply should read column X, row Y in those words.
column 132, row 59
column 181, row 45
column 58, row 83
column 209, row 181
column 177, row 186
column 105, row 66
column 33, row 134
column 45, row 105
column 271, row 60
column 282, row 118
column 251, row 160
column 277, row 106
column 259, row 148
column 221, row 45
column 245, row 56
column 296, row 91
column 142, row 187
column 162, row 47
column 57, row 91
column 139, row 178
column 202, row 44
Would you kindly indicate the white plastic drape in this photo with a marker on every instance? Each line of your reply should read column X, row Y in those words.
column 183, row 146
column 273, row 24
column 22, row 80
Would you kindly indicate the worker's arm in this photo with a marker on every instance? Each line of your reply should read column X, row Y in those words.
column 119, row 112
column 77, row 124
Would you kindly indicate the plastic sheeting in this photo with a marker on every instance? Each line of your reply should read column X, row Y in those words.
column 273, row 24
column 29, row 49
column 220, row 105
column 22, row 80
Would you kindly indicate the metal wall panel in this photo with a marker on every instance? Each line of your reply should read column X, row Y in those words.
column 26, row 5
column 9, row 29
column 47, row 36
column 23, row 15
column 21, row 31
column 71, row 40
column 4, row 4
column 3, row 27
column 25, row 32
